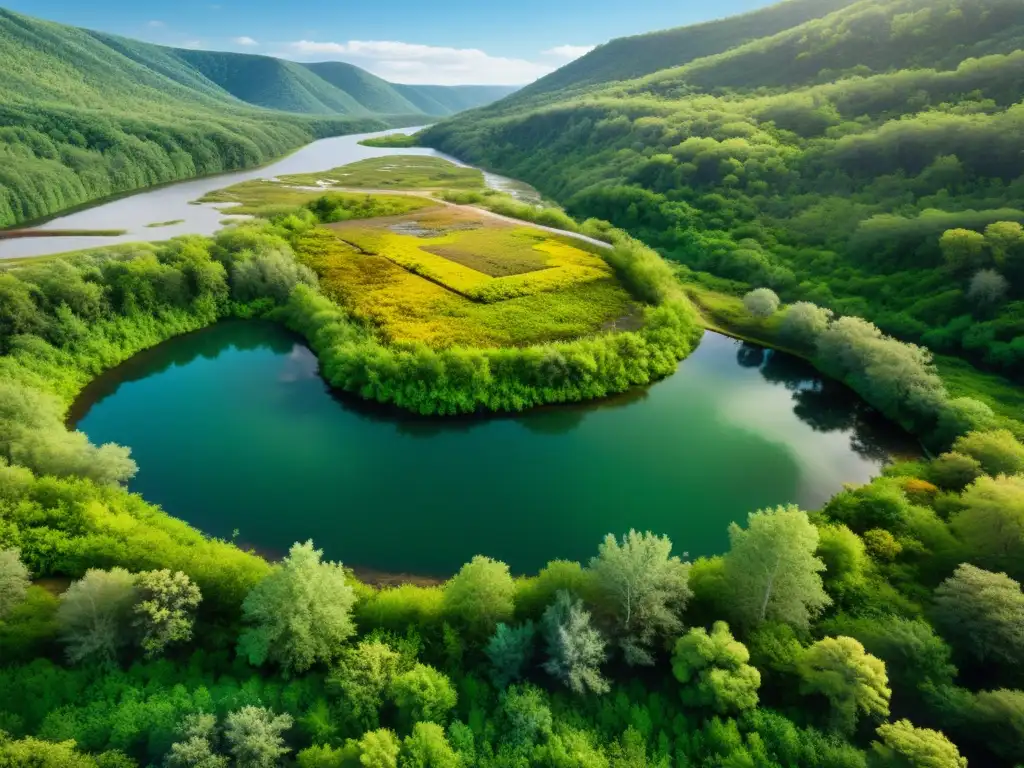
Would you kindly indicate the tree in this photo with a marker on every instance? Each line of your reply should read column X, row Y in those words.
column 998, row 451
column 14, row 580
column 987, row 288
column 992, row 521
column 95, row 613
column 954, row 471
column 1006, row 239
column 982, row 613
column 803, row 323
column 300, row 614
column 427, row 747
column 524, row 716
column 480, row 595
column 843, row 552
column 509, row 651
column 196, row 747
column 163, row 613
column 904, row 746
column 575, row 649
column 962, row 248
column 423, row 694
column 771, row 571
column 882, row 545
column 762, row 303
column 714, row 671
column 643, row 589
column 851, row 679
column 379, row 749
column 962, row 415
column 253, row 737
column 915, row 657
column 361, row 679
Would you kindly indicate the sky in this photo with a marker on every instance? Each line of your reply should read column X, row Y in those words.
column 443, row 42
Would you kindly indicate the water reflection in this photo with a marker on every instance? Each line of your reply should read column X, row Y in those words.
column 824, row 404
column 233, row 429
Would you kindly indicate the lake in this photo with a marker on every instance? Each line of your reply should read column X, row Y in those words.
column 233, row 429
column 174, row 202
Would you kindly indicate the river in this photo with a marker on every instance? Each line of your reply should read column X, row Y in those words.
column 233, row 429
column 175, row 202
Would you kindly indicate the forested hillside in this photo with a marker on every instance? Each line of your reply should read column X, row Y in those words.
column 639, row 55
column 84, row 115
column 869, row 161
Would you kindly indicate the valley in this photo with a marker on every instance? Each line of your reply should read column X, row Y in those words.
column 661, row 411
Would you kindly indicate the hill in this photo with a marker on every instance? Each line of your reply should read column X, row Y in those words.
column 827, row 161
column 630, row 57
column 85, row 115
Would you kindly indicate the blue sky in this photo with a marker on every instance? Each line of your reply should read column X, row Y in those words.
column 414, row 41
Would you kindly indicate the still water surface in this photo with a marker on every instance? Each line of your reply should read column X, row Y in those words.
column 233, row 429
column 174, row 201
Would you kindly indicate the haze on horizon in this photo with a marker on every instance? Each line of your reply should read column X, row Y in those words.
column 446, row 43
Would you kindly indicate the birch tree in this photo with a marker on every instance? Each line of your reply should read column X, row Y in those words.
column 643, row 590
column 771, row 571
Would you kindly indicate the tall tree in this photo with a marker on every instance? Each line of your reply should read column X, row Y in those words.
column 480, row 595
column 982, row 613
column 164, row 611
column 714, row 671
column 575, row 648
column 95, row 613
column 423, row 695
column 14, row 580
column 851, row 679
column 643, row 590
column 300, row 614
column 509, row 651
column 992, row 522
column 904, row 746
column 361, row 679
column 254, row 737
column 196, row 745
column 427, row 747
column 771, row 571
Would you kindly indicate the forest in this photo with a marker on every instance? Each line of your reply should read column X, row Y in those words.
column 85, row 116
column 867, row 161
column 881, row 630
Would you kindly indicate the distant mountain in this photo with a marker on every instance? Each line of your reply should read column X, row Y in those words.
column 629, row 57
column 84, row 114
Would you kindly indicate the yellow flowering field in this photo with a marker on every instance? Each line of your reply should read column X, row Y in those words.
column 411, row 294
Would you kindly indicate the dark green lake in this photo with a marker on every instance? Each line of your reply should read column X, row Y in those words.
column 233, row 429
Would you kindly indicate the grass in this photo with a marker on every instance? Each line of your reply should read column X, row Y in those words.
column 393, row 140
column 553, row 265
column 264, row 198
column 395, row 172
column 406, row 305
column 170, row 223
column 117, row 249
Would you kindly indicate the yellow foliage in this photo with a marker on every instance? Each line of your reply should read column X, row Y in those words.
column 407, row 307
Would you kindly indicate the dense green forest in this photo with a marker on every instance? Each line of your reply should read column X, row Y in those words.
column 85, row 115
column 868, row 161
column 882, row 630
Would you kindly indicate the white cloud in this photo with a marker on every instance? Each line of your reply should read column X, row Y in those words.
column 425, row 64
column 569, row 52
column 244, row 40
column 193, row 44
column 155, row 24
